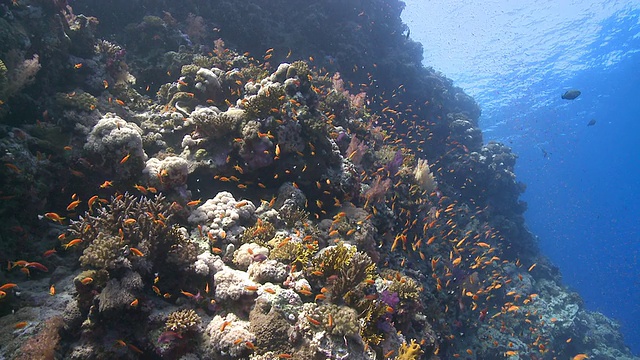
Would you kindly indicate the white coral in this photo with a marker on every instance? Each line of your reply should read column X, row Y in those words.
column 424, row 176
column 224, row 333
column 220, row 216
column 113, row 135
column 232, row 284
column 169, row 172
column 207, row 264
column 211, row 79
column 243, row 257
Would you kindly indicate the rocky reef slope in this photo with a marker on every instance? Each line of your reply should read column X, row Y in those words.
column 221, row 180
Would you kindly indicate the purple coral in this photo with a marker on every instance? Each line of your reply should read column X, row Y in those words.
column 390, row 298
column 394, row 165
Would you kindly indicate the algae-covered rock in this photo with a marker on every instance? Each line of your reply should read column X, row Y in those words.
column 118, row 294
column 78, row 100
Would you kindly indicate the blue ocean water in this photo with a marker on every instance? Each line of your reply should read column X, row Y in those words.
column 583, row 182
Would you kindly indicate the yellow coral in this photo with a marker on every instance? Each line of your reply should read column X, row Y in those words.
column 292, row 252
column 406, row 287
column 409, row 352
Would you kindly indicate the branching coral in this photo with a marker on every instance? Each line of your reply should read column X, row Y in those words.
column 370, row 312
column 292, row 252
column 183, row 252
column 292, row 215
column 106, row 233
column 182, row 321
column 409, row 352
column 345, row 267
column 260, row 233
column 407, row 288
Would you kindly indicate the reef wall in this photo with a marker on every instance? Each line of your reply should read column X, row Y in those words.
column 263, row 180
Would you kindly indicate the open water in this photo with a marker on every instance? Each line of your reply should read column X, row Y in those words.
column 583, row 182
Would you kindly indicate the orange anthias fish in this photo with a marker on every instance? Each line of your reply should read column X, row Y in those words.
column 54, row 217
column 36, row 265
column 7, row 286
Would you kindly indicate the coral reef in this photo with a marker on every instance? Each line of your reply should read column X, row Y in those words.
column 171, row 196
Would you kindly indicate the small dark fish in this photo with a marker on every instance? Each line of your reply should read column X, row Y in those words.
column 591, row 122
column 259, row 257
column 571, row 94
column 545, row 154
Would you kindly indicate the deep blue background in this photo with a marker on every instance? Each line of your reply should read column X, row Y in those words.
column 584, row 197
column 516, row 59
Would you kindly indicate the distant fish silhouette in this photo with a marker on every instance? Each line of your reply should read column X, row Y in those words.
column 591, row 122
column 545, row 154
column 571, row 94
